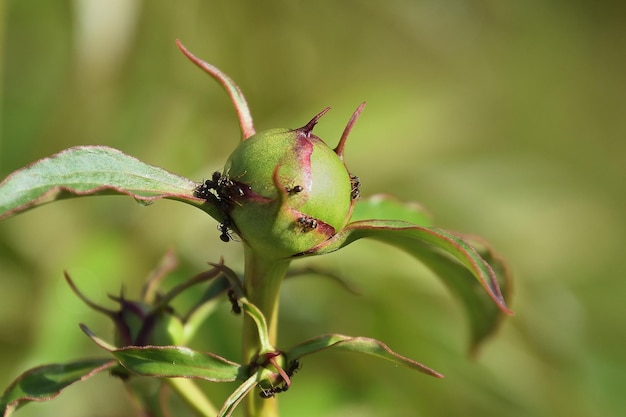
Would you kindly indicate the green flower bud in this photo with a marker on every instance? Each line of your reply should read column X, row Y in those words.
column 285, row 191
column 139, row 324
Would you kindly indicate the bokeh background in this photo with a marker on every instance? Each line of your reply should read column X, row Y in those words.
column 505, row 118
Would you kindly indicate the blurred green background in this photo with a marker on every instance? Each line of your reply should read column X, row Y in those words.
column 506, row 119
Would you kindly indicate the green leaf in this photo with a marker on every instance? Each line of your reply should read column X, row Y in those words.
column 176, row 361
column 46, row 382
column 356, row 344
column 480, row 315
column 450, row 256
column 93, row 170
column 235, row 398
column 173, row 362
column 205, row 306
column 384, row 206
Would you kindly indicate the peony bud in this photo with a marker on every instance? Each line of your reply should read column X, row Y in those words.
column 285, row 191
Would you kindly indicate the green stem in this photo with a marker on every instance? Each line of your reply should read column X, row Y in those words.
column 262, row 279
column 144, row 394
column 189, row 392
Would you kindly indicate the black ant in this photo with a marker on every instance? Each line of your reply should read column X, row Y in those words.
column 294, row 366
column 295, row 190
column 224, row 189
column 232, row 297
column 225, row 235
column 307, row 223
column 355, row 192
column 269, row 393
column 203, row 190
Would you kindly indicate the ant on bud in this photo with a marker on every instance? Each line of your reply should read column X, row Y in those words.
column 270, row 392
column 224, row 189
column 307, row 223
column 294, row 366
column 295, row 190
column 355, row 192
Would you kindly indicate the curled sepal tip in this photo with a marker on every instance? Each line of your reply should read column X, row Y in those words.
column 308, row 128
column 346, row 132
column 236, row 96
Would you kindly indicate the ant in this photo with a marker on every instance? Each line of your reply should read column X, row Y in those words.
column 307, row 223
column 355, row 192
column 269, row 393
column 225, row 235
column 203, row 191
column 232, row 297
column 294, row 366
column 295, row 190
column 224, row 189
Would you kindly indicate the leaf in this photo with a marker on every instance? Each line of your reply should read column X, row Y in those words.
column 235, row 398
column 385, row 206
column 205, row 306
column 484, row 315
column 173, row 362
column 365, row 345
column 93, row 170
column 176, row 361
column 46, row 382
column 451, row 257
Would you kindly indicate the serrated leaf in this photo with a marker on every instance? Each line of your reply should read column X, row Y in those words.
column 451, row 257
column 93, row 170
column 46, row 382
column 172, row 361
column 359, row 344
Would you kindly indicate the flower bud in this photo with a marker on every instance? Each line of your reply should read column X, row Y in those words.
column 139, row 324
column 285, row 191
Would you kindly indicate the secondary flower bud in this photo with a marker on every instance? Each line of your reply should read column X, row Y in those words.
column 138, row 324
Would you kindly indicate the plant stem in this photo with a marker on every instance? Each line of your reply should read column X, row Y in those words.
column 144, row 395
column 262, row 279
column 192, row 395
